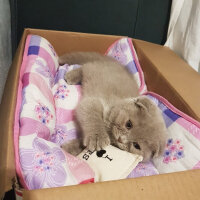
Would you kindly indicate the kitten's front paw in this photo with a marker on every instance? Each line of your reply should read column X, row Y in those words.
column 96, row 142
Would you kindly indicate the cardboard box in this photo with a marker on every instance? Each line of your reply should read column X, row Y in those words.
column 165, row 73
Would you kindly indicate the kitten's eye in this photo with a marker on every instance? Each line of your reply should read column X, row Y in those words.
column 136, row 145
column 129, row 124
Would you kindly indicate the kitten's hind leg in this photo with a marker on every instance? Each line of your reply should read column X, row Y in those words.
column 89, row 114
column 74, row 76
column 73, row 147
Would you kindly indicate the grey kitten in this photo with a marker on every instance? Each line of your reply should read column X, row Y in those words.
column 111, row 110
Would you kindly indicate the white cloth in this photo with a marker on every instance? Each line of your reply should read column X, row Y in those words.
column 111, row 163
column 184, row 31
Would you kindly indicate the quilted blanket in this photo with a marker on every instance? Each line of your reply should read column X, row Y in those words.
column 44, row 119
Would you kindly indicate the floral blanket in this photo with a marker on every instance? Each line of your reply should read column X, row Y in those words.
column 44, row 120
column 42, row 124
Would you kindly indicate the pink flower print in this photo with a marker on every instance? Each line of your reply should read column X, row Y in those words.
column 118, row 53
column 43, row 113
column 59, row 135
column 62, row 92
column 167, row 159
column 174, row 158
column 177, row 142
column 62, row 135
column 120, row 56
column 174, row 151
column 172, row 147
column 42, row 165
column 180, row 147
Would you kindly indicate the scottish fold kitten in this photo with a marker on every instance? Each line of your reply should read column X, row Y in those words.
column 111, row 110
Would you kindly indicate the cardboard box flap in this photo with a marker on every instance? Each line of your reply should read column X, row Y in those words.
column 167, row 186
column 170, row 76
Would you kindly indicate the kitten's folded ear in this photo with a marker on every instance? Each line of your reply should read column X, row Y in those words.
column 144, row 103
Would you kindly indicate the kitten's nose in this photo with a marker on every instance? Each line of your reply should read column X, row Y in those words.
column 122, row 139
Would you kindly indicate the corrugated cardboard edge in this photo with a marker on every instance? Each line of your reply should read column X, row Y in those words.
column 171, row 75
column 176, row 186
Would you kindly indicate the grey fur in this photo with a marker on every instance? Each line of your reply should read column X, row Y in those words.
column 110, row 99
